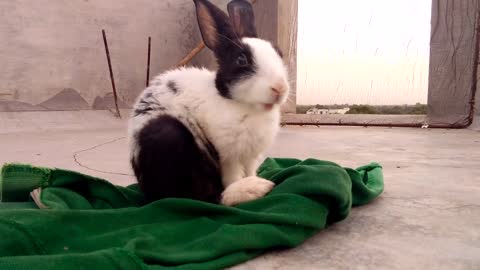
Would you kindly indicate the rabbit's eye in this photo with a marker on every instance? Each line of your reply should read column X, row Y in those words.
column 242, row 60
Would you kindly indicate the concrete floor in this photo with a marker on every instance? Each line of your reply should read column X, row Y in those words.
column 428, row 217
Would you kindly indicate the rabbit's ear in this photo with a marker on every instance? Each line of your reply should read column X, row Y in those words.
column 214, row 25
column 242, row 18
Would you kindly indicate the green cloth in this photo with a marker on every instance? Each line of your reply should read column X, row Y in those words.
column 91, row 224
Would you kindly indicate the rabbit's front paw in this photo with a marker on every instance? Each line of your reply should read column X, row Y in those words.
column 246, row 189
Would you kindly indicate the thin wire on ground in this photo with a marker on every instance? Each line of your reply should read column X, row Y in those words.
column 75, row 157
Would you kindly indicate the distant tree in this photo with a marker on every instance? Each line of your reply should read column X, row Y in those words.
column 418, row 108
column 302, row 109
column 362, row 109
column 391, row 110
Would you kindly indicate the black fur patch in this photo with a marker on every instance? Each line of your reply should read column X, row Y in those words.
column 230, row 71
column 148, row 110
column 172, row 86
column 141, row 111
column 147, row 104
column 170, row 163
column 219, row 35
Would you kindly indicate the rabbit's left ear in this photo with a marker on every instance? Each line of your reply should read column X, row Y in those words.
column 242, row 18
column 214, row 25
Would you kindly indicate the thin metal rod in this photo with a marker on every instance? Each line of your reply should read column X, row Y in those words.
column 115, row 97
column 148, row 60
column 476, row 62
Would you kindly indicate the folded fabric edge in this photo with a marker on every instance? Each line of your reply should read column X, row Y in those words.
column 36, row 196
column 39, row 175
column 369, row 167
column 9, row 168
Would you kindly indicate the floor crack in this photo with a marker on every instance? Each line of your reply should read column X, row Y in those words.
column 75, row 157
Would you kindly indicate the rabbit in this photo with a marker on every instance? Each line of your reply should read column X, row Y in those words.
column 200, row 134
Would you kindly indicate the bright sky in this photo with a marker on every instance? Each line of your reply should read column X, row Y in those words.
column 363, row 51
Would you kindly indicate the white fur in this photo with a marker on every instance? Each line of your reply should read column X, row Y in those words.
column 241, row 128
column 247, row 189
column 271, row 71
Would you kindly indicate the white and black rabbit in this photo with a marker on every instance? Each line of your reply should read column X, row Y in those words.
column 199, row 134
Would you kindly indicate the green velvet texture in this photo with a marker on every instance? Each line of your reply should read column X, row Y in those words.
column 91, row 224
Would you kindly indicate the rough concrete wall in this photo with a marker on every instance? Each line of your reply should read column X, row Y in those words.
column 277, row 21
column 476, row 117
column 51, row 47
column 266, row 17
column 452, row 61
column 287, row 41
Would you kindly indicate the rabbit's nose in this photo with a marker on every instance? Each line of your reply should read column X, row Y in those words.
column 277, row 94
column 275, row 91
column 278, row 89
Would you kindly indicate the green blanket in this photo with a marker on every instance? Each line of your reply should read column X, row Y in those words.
column 87, row 223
